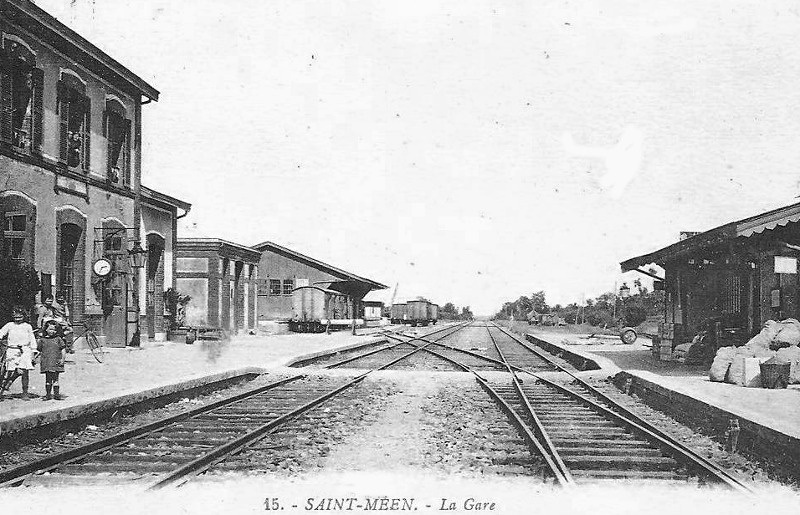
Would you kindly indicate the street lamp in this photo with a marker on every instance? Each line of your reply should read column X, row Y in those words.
column 137, row 255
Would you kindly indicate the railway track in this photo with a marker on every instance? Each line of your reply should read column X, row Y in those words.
column 588, row 437
column 581, row 434
column 174, row 449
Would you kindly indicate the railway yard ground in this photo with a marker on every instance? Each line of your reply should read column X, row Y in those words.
column 444, row 418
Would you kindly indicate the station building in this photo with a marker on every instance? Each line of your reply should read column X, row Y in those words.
column 220, row 277
column 281, row 270
column 70, row 162
column 729, row 280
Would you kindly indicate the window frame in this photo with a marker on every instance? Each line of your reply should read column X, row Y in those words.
column 275, row 287
column 72, row 99
column 290, row 284
column 13, row 236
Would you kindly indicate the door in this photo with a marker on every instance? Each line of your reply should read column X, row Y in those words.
column 115, row 292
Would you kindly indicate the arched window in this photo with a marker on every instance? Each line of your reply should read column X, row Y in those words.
column 21, row 86
column 74, row 109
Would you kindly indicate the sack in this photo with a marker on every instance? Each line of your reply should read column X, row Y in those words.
column 789, row 333
column 764, row 338
column 719, row 368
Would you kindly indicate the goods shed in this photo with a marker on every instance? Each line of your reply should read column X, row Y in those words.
column 281, row 270
column 730, row 279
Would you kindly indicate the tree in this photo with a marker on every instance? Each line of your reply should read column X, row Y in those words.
column 466, row 313
column 20, row 284
column 448, row 312
column 538, row 302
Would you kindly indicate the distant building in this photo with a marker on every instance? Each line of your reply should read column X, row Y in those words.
column 70, row 160
column 220, row 277
column 281, row 270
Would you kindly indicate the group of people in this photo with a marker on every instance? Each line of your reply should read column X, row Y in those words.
column 23, row 350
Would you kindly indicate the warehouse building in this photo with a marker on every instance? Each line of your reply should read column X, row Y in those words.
column 281, row 270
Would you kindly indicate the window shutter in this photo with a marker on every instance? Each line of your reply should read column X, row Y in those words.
column 109, row 143
column 126, row 142
column 87, row 133
column 5, row 99
column 63, row 111
column 38, row 110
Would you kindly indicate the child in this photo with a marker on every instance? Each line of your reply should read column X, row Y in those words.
column 53, row 349
column 19, row 353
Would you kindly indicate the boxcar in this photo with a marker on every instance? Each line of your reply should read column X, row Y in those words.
column 314, row 309
column 418, row 312
column 434, row 313
column 399, row 314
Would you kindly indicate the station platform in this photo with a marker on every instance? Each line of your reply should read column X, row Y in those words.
column 131, row 375
column 769, row 420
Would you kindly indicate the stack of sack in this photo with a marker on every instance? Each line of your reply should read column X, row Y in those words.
column 742, row 365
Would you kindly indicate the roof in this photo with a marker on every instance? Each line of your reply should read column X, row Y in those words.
column 218, row 245
column 46, row 27
column 338, row 272
column 162, row 198
column 742, row 229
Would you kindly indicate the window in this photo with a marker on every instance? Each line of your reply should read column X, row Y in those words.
column 14, row 233
column 21, row 93
column 288, row 286
column 117, row 132
column 75, row 114
column 274, row 286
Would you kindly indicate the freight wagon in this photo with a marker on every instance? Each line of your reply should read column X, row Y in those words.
column 398, row 314
column 421, row 312
column 314, row 309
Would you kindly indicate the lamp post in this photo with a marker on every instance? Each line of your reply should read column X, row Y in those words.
column 136, row 257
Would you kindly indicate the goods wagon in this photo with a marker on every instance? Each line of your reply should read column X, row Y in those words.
column 434, row 313
column 398, row 314
column 419, row 312
column 314, row 309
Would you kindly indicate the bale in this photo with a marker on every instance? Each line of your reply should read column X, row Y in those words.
column 766, row 336
column 719, row 368
column 789, row 333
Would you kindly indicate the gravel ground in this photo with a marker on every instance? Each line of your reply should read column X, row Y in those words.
column 738, row 466
column 441, row 428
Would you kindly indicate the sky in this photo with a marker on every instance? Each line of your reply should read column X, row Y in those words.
column 470, row 151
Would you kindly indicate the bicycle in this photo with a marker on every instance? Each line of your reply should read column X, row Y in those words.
column 91, row 340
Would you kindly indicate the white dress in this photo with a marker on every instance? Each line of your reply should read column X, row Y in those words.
column 21, row 344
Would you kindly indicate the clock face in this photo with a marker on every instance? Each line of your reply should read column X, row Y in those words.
column 102, row 267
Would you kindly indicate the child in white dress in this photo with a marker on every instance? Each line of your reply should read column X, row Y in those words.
column 19, row 352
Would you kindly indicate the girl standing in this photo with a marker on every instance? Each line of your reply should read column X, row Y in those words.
column 53, row 349
column 19, row 353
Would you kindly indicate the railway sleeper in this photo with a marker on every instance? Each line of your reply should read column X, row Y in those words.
column 128, row 467
column 630, row 462
column 603, row 450
column 648, row 475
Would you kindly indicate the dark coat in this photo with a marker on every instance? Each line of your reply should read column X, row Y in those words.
column 51, row 349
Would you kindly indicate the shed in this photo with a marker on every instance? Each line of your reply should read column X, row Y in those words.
column 729, row 279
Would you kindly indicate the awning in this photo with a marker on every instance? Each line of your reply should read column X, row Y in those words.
column 742, row 229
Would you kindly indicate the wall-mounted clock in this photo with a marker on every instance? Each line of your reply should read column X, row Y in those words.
column 102, row 267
